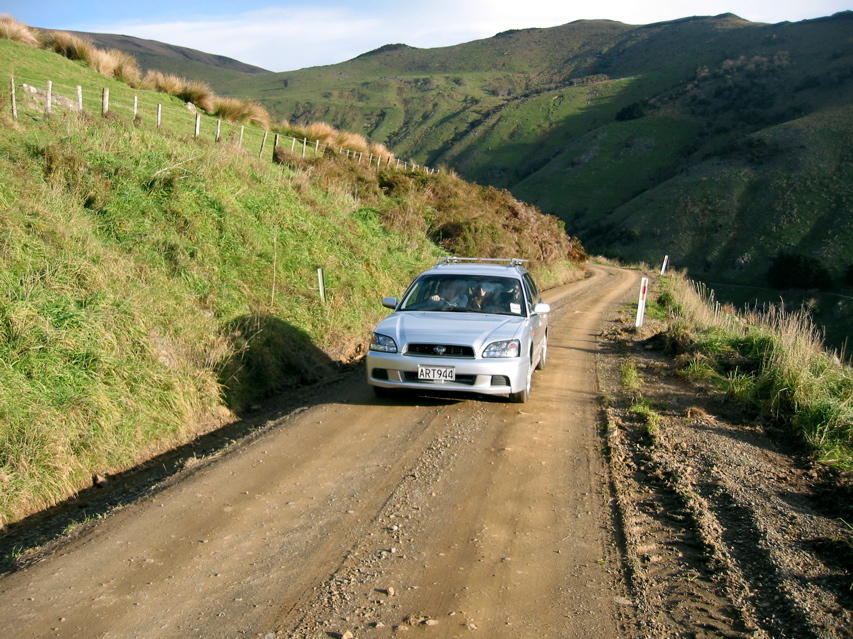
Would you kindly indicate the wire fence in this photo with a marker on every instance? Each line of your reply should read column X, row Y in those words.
column 40, row 98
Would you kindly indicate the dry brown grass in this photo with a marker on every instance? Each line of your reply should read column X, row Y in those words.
column 125, row 68
column 237, row 110
column 69, row 45
column 326, row 133
column 162, row 82
column 11, row 29
column 352, row 141
column 199, row 93
column 381, row 151
column 257, row 114
column 101, row 61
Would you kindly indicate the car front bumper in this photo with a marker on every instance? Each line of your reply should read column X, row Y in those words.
column 490, row 376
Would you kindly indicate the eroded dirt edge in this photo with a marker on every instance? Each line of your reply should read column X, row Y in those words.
column 727, row 532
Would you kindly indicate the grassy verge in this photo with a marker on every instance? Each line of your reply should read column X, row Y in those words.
column 769, row 360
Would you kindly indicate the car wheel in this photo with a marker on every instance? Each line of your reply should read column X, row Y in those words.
column 524, row 394
column 543, row 354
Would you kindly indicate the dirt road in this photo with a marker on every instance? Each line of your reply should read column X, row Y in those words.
column 434, row 515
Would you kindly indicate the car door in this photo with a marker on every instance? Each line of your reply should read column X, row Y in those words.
column 538, row 323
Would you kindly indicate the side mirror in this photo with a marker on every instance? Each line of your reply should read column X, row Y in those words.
column 541, row 308
column 389, row 302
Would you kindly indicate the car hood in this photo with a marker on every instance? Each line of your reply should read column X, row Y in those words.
column 465, row 329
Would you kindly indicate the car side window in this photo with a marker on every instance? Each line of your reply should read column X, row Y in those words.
column 532, row 291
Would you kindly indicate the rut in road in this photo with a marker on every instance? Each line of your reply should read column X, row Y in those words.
column 366, row 516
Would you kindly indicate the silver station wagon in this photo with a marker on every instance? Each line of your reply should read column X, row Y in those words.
column 465, row 325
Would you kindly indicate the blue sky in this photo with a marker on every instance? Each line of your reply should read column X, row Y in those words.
column 288, row 35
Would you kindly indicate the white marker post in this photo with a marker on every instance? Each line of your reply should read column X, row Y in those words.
column 641, row 305
column 665, row 264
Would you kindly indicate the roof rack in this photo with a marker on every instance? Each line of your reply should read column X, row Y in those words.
column 452, row 259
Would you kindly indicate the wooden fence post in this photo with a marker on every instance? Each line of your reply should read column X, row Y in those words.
column 263, row 144
column 135, row 106
column 304, row 144
column 274, row 146
column 14, row 101
column 105, row 102
column 321, row 284
column 240, row 142
column 316, row 147
column 218, row 129
column 197, row 124
column 48, row 103
column 292, row 144
column 159, row 115
column 80, row 98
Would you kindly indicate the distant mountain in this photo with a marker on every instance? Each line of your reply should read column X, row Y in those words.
column 720, row 142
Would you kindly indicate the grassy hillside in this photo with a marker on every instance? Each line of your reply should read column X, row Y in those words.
column 715, row 140
column 153, row 286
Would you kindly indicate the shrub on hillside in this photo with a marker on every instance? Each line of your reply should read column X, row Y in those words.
column 795, row 270
column 633, row 111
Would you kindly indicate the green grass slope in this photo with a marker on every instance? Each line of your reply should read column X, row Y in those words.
column 153, row 286
column 712, row 139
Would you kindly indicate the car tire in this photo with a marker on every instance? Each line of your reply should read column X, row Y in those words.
column 523, row 395
column 543, row 354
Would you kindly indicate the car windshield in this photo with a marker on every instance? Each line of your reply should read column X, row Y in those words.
column 465, row 294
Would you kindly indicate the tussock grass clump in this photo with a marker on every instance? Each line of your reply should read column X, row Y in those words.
column 770, row 360
column 125, row 68
column 326, row 133
column 199, row 93
column 237, row 110
column 162, row 82
column 69, row 45
column 11, row 29
column 352, row 141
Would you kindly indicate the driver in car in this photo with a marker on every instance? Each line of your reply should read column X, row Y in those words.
column 451, row 293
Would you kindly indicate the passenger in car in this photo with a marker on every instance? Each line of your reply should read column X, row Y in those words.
column 481, row 297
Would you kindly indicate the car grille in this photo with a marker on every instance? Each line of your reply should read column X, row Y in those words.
column 450, row 350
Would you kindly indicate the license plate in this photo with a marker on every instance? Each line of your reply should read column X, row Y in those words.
column 437, row 373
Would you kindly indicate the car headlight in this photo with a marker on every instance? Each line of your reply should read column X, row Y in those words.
column 383, row 343
column 508, row 348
